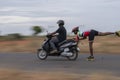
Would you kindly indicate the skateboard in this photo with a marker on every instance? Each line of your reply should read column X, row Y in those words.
column 90, row 59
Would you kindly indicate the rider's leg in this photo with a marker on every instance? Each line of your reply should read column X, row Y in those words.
column 52, row 43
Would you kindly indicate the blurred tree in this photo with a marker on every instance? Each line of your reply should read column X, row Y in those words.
column 37, row 30
column 14, row 36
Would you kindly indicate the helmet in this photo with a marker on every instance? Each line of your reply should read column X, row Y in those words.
column 75, row 29
column 60, row 22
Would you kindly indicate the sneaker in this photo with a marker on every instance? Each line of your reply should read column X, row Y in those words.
column 90, row 58
column 117, row 33
column 54, row 51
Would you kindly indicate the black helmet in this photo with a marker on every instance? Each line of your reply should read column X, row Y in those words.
column 60, row 22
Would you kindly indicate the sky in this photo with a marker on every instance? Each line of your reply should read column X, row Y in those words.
column 18, row 16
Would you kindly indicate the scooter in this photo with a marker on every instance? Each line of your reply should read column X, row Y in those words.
column 68, row 48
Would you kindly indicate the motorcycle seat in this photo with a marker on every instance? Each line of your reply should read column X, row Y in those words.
column 65, row 41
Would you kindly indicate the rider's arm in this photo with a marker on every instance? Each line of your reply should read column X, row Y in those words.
column 53, row 33
column 56, row 32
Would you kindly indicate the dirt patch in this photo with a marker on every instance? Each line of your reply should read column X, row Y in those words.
column 21, row 75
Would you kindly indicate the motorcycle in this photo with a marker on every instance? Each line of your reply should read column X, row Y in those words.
column 68, row 48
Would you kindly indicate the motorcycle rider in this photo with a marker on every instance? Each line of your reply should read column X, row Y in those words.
column 91, row 35
column 61, row 35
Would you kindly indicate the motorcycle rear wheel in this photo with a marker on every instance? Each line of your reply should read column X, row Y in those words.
column 42, row 54
column 74, row 56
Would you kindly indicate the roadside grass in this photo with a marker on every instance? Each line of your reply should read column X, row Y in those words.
column 104, row 44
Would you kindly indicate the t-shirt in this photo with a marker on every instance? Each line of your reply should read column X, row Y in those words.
column 83, row 34
column 62, row 33
column 86, row 33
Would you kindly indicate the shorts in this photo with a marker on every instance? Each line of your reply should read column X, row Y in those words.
column 92, row 34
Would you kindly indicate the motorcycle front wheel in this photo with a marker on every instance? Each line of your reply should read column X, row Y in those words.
column 74, row 56
column 42, row 54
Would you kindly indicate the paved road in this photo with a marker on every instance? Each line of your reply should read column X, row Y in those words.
column 29, row 62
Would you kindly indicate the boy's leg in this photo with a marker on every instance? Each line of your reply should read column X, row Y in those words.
column 91, row 57
column 92, row 35
column 91, row 47
column 105, row 33
column 117, row 33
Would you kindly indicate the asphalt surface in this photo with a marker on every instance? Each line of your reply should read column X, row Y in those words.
column 30, row 62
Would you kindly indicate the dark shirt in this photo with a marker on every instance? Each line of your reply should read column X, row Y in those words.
column 62, row 33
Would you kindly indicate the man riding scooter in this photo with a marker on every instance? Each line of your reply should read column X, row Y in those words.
column 58, row 45
column 61, row 36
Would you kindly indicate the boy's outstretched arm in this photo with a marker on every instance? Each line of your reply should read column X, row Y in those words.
column 82, row 38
